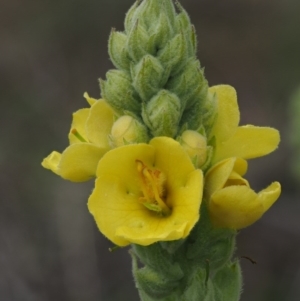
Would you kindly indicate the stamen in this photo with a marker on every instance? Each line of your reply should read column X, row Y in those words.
column 152, row 188
column 77, row 135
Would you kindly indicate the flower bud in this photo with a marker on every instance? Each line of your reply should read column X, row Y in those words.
column 163, row 28
column 117, row 50
column 131, row 17
column 174, row 54
column 148, row 77
column 162, row 114
column 118, row 91
column 139, row 42
column 128, row 130
column 195, row 145
column 190, row 85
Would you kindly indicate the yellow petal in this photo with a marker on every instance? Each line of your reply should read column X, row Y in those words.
column 115, row 201
column 51, row 162
column 238, row 207
column 248, row 142
column 234, row 207
column 236, row 179
column 89, row 99
column 99, row 123
column 186, row 201
column 219, row 174
column 79, row 161
column 78, row 123
column 172, row 159
column 268, row 196
column 228, row 116
column 121, row 161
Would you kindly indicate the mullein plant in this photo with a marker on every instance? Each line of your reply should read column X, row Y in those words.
column 169, row 159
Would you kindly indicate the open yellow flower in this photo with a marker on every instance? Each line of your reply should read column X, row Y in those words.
column 232, row 203
column 247, row 141
column 89, row 141
column 146, row 193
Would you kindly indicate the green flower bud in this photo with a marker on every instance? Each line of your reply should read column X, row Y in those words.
column 117, row 50
column 173, row 55
column 163, row 30
column 210, row 111
column 148, row 12
column 199, row 287
column 139, row 43
column 228, row 282
column 196, row 147
column 184, row 24
column 129, row 19
column 170, row 11
column 148, row 77
column 190, row 85
column 182, row 19
column 154, row 284
column 150, row 282
column 128, row 130
column 162, row 114
column 159, row 259
column 118, row 91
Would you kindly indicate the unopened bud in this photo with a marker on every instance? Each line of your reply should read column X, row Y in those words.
column 148, row 77
column 195, row 145
column 162, row 114
column 128, row 130
column 118, row 91
column 117, row 50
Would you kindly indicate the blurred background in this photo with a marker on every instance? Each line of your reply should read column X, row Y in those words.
column 50, row 53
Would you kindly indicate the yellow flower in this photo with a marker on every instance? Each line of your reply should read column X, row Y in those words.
column 232, row 203
column 146, row 193
column 89, row 141
column 247, row 141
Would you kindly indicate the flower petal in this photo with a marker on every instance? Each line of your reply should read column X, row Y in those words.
column 186, row 201
column 51, row 162
column 235, row 207
column 268, row 196
column 89, row 99
column 248, row 142
column 78, row 123
column 228, row 116
column 121, row 161
column 219, row 174
column 99, row 123
column 238, row 207
column 79, row 161
column 172, row 159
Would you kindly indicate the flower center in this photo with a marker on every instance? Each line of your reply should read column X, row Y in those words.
column 153, row 187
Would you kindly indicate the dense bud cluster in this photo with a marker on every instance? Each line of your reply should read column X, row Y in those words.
column 158, row 79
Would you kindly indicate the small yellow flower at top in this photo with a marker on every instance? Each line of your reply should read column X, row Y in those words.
column 146, row 193
column 89, row 141
column 231, row 201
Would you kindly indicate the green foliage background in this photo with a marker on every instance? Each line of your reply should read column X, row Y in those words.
column 53, row 51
